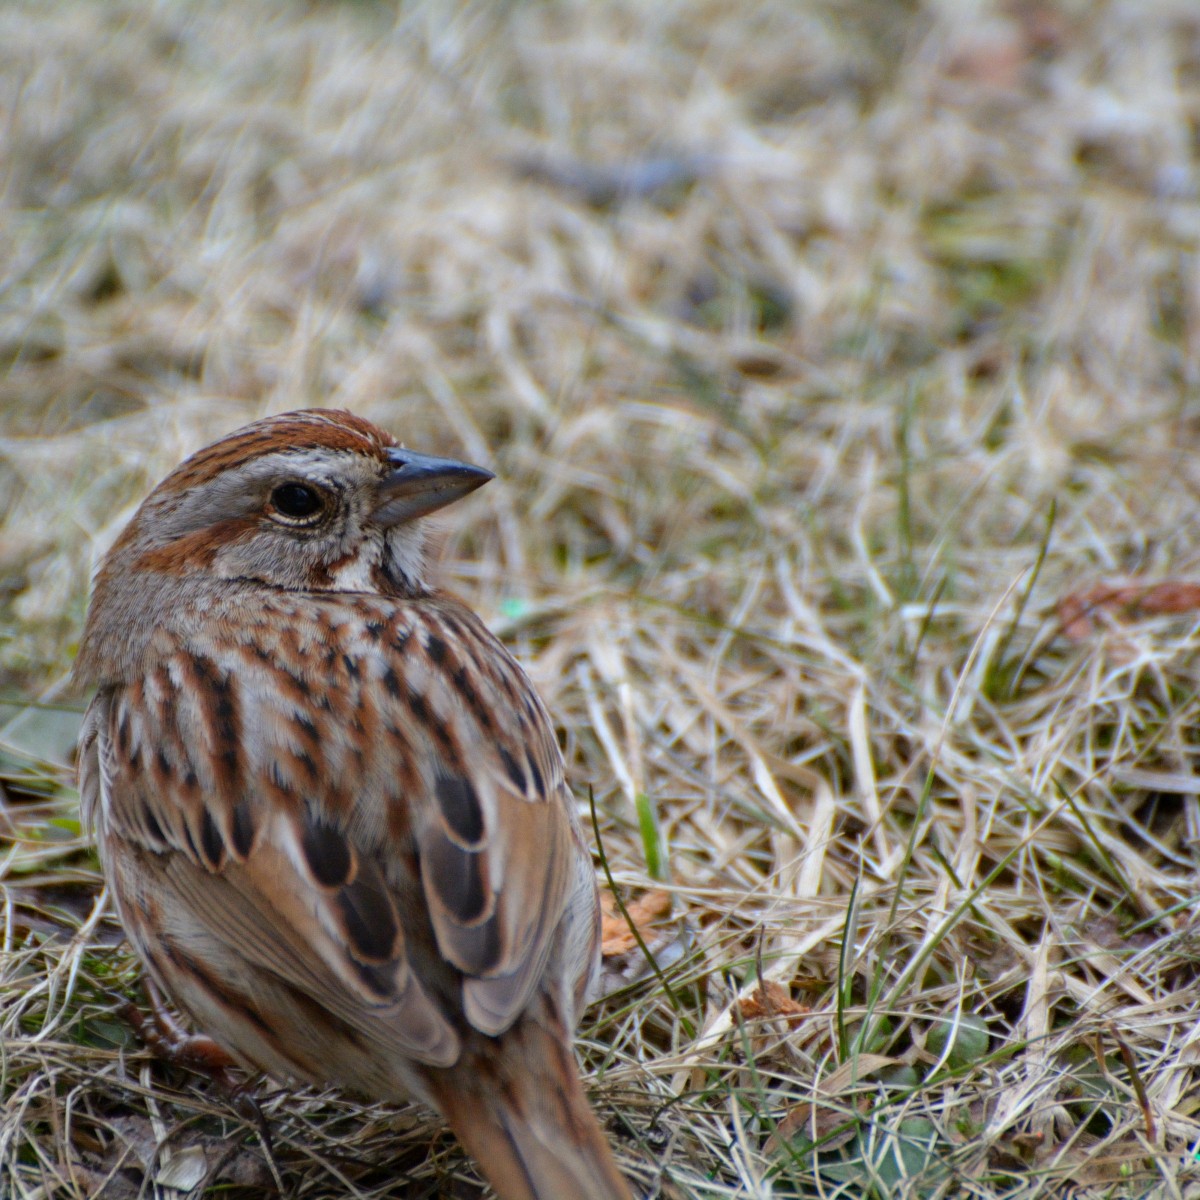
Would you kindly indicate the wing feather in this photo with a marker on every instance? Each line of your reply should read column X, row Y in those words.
column 384, row 836
column 498, row 869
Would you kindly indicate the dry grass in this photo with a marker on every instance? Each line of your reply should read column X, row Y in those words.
column 821, row 349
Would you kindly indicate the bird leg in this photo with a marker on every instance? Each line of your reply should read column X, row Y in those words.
column 166, row 1038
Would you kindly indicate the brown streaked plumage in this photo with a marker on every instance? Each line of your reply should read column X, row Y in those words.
column 330, row 804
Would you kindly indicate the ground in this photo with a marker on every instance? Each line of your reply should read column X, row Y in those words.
column 839, row 365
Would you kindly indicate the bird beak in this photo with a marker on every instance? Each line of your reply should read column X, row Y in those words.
column 419, row 483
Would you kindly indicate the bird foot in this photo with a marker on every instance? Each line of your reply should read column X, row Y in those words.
column 166, row 1038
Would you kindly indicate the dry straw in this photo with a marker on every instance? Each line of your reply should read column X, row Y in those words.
column 821, row 350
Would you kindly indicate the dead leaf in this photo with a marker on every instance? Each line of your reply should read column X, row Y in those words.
column 1171, row 596
column 772, row 1000
column 832, row 1105
column 178, row 1168
column 616, row 938
column 1076, row 611
column 817, row 1122
column 990, row 54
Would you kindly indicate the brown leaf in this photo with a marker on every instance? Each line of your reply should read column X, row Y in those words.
column 817, row 1122
column 1171, row 596
column 772, row 1000
column 1077, row 609
column 992, row 54
column 616, row 938
column 839, row 1093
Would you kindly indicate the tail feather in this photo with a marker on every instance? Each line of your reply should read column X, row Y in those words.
column 523, row 1116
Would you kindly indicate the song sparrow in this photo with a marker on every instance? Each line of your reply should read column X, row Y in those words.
column 330, row 805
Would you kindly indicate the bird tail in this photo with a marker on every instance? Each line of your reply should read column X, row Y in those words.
column 523, row 1115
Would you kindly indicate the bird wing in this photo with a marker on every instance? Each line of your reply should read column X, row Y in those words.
column 300, row 974
column 507, row 879
column 351, row 816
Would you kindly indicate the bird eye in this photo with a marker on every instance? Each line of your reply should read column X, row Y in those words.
column 296, row 501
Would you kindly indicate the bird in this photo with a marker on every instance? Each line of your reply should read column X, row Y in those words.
column 330, row 805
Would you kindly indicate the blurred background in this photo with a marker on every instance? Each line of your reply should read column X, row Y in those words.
column 838, row 361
